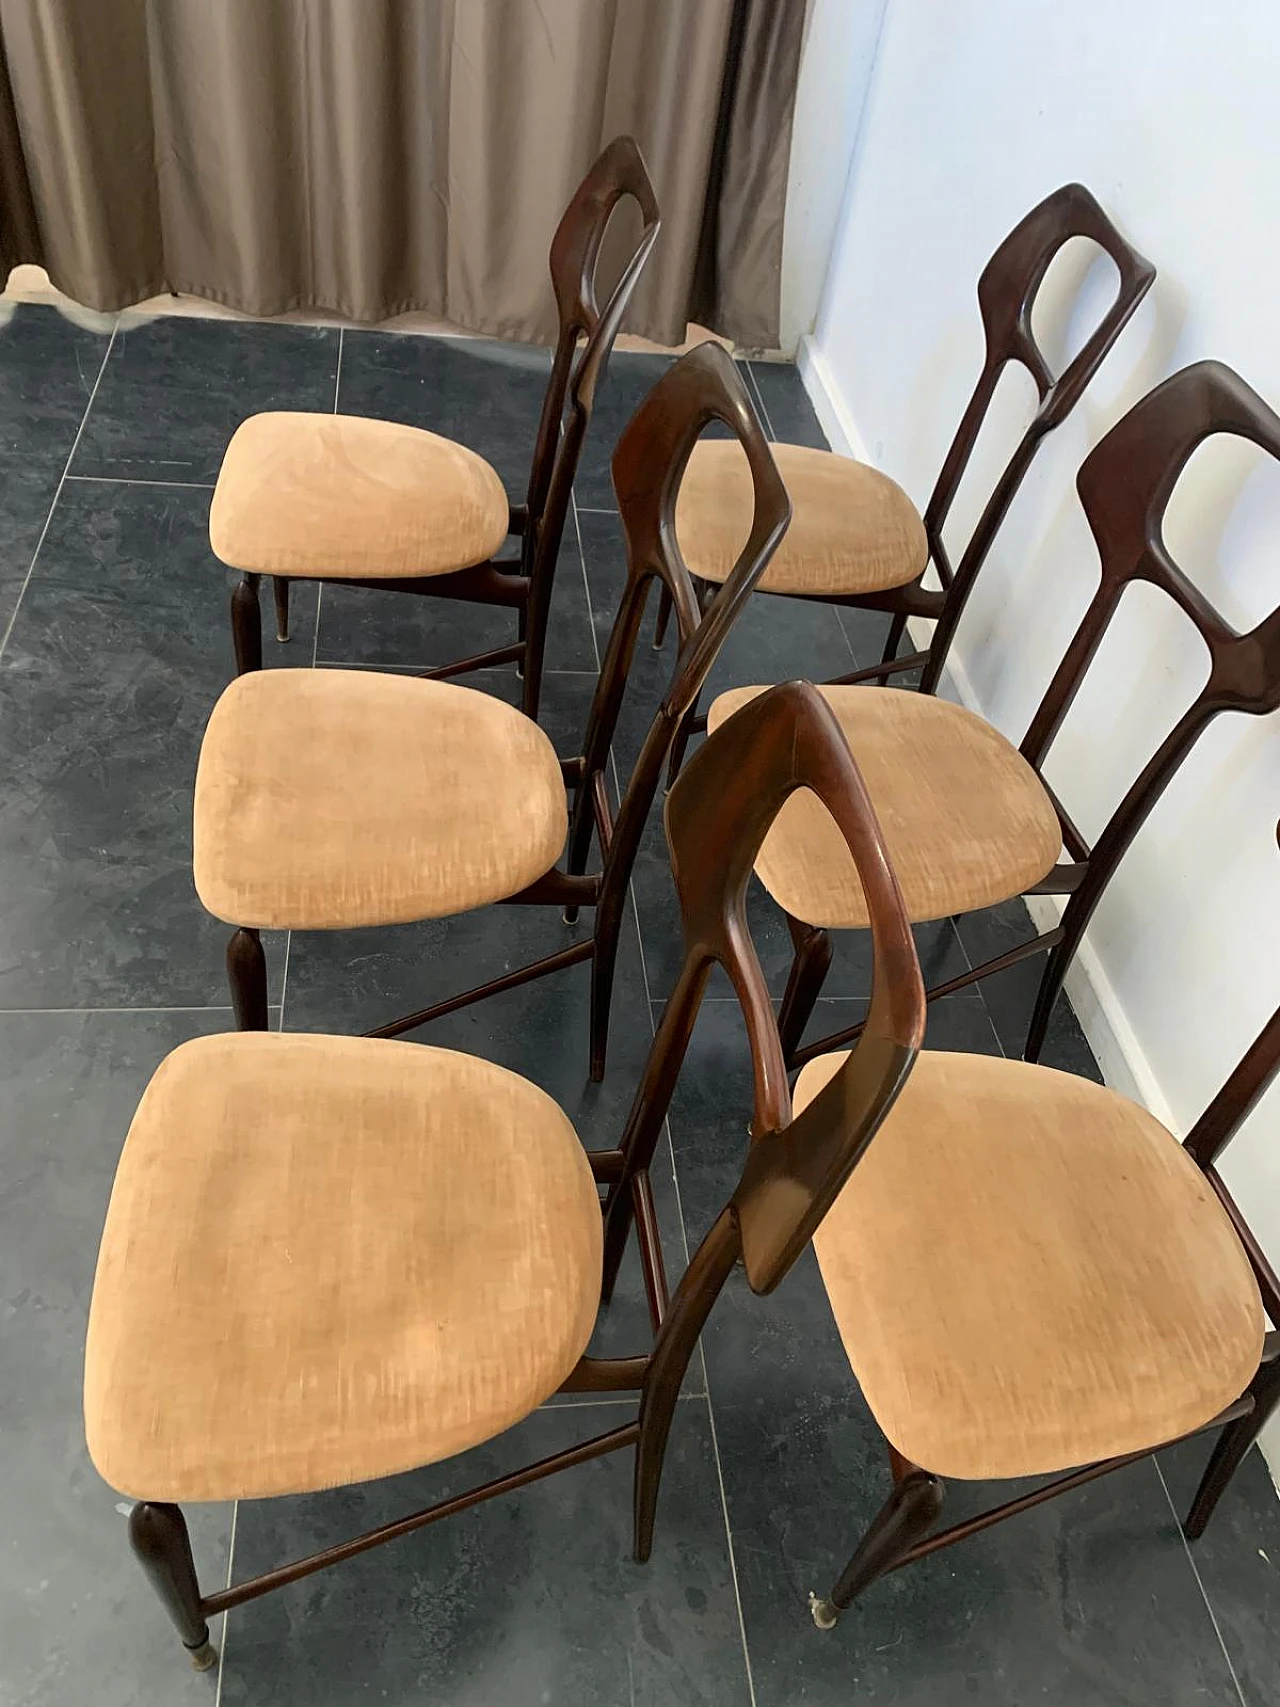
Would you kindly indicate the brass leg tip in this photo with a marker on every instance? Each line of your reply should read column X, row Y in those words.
column 283, row 638
column 204, row 1657
column 824, row 1613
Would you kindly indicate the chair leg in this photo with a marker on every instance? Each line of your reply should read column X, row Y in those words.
column 522, row 635
column 581, row 829
column 246, row 625
column 603, row 962
column 247, row 975
column 1234, row 1441
column 158, row 1536
column 280, row 589
column 897, row 628
column 808, row 973
column 906, row 1517
column 663, row 618
column 535, row 645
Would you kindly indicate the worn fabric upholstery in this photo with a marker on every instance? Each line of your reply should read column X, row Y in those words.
column 853, row 530
column 965, row 817
column 1029, row 1273
column 339, row 495
column 327, row 799
column 328, row 1259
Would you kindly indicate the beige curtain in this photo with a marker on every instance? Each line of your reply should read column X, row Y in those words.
column 367, row 157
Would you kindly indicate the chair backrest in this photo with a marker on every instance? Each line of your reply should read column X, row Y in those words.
column 717, row 815
column 648, row 466
column 576, row 373
column 1006, row 297
column 1125, row 484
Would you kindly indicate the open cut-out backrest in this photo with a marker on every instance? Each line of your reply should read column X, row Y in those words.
column 648, row 466
column 717, row 815
column 1125, row 485
column 586, row 337
column 1007, row 293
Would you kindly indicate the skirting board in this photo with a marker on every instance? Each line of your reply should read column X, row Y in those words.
column 1116, row 1048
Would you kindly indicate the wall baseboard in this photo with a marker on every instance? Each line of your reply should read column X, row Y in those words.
column 1106, row 1026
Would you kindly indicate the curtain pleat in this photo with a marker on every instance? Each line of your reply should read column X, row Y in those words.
column 368, row 157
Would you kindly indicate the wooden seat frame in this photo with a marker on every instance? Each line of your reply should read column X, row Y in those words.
column 648, row 463
column 523, row 584
column 1125, row 485
column 716, row 818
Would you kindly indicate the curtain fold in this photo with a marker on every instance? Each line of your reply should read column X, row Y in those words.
column 368, row 157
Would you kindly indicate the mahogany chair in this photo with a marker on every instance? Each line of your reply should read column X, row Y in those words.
column 370, row 503
column 856, row 539
column 383, row 799
column 1083, row 1289
column 411, row 1246
column 969, row 819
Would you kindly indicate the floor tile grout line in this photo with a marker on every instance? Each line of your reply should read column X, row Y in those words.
column 226, row 1617
column 75, row 445
column 122, row 480
column 764, row 407
column 180, row 1008
column 675, row 1176
column 337, row 371
column 1195, row 1571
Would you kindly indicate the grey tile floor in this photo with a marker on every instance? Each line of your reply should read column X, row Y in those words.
column 115, row 643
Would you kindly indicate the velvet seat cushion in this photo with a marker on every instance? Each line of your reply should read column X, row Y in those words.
column 327, row 799
column 328, row 1259
column 1029, row 1273
column 342, row 496
column 966, row 820
column 853, row 529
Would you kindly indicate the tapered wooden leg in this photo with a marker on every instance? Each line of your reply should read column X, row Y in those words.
column 680, row 746
column 897, row 628
column 280, row 590
column 808, row 973
column 1234, row 1441
column 246, row 625
column 247, row 975
column 906, row 1517
column 663, row 618
column 603, row 963
column 581, row 829
column 158, row 1536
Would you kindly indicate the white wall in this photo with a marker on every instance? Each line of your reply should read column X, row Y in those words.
column 1166, row 109
column 835, row 73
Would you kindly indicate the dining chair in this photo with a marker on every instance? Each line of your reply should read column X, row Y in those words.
column 370, row 503
column 382, row 799
column 1033, row 1277
column 856, row 539
column 411, row 1246
column 969, row 818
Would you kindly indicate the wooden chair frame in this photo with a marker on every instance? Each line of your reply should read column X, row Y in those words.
column 716, row 819
column 903, row 1530
column 1007, row 292
column 1125, row 485
column 648, row 464
column 523, row 584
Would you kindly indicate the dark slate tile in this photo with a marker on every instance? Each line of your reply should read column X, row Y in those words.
column 630, row 376
column 78, row 1621
column 1087, row 1599
column 120, row 649
column 28, row 487
column 867, row 632
column 1238, row 1558
column 486, row 395
column 1010, row 995
column 532, row 1598
column 791, row 417
column 176, row 387
column 48, row 367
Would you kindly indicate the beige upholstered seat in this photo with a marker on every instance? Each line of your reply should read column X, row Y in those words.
column 1029, row 1273
column 338, row 495
column 328, row 1259
column 966, row 819
column 853, row 530
column 332, row 798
